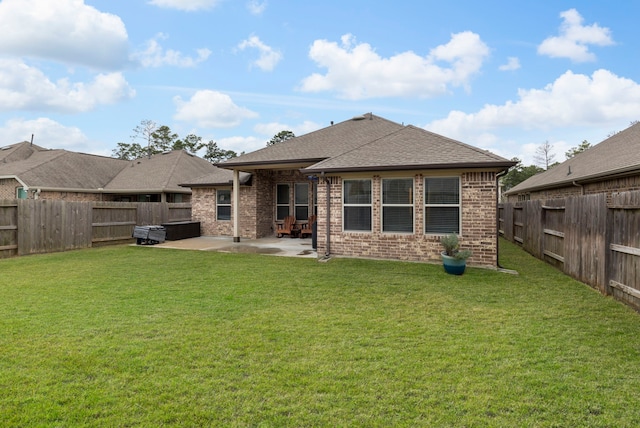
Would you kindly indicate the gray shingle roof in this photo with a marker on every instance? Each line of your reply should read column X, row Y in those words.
column 310, row 148
column 368, row 142
column 409, row 148
column 220, row 177
column 618, row 154
column 61, row 169
column 162, row 172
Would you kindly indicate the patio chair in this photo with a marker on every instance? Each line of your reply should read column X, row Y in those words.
column 307, row 227
column 287, row 227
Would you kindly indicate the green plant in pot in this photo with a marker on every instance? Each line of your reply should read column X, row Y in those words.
column 454, row 259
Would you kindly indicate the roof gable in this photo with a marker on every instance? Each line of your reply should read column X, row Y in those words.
column 618, row 154
column 321, row 144
column 409, row 148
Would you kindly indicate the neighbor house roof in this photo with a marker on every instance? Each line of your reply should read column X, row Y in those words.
column 162, row 172
column 63, row 170
column 618, row 155
column 368, row 142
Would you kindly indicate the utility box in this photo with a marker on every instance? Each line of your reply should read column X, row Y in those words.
column 149, row 235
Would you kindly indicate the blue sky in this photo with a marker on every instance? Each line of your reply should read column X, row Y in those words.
column 501, row 75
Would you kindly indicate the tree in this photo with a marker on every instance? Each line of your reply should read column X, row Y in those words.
column 280, row 137
column 518, row 173
column 543, row 156
column 144, row 131
column 129, row 151
column 158, row 140
column 191, row 143
column 162, row 140
column 214, row 154
column 578, row 149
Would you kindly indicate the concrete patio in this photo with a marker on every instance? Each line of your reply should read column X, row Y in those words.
column 287, row 247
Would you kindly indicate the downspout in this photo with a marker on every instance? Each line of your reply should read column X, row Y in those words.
column 327, row 251
column 236, row 205
column 575, row 183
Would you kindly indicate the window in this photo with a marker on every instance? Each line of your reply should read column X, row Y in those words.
column 223, row 205
column 282, row 201
column 357, row 205
column 301, row 198
column 21, row 193
column 442, row 205
column 397, row 205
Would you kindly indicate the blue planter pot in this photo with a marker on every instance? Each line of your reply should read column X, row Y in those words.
column 452, row 265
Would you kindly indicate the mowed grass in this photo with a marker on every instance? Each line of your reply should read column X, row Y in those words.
column 139, row 336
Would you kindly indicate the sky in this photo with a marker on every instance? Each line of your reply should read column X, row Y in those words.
column 504, row 76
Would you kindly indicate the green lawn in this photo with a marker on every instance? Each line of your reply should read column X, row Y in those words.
column 140, row 336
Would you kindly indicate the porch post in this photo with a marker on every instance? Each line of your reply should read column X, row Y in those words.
column 236, row 205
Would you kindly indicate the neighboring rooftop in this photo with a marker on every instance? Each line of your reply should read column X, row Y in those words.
column 65, row 170
column 618, row 155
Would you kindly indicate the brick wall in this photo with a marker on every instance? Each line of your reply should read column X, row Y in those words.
column 609, row 187
column 478, row 201
column 8, row 188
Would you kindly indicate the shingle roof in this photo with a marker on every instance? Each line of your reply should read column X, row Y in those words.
column 331, row 141
column 409, row 148
column 61, row 169
column 162, row 172
column 220, row 177
column 368, row 142
column 618, row 154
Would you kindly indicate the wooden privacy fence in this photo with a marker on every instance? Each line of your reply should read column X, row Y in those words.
column 592, row 238
column 30, row 226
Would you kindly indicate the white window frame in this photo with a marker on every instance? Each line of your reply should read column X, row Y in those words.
column 458, row 205
column 346, row 205
column 218, row 205
column 389, row 205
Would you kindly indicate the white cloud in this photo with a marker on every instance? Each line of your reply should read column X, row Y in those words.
column 24, row 87
column 211, row 109
column 271, row 129
column 241, row 144
column 356, row 71
column 575, row 38
column 46, row 132
column 63, row 30
column 571, row 100
column 269, row 57
column 156, row 56
column 186, row 5
column 256, row 7
column 513, row 63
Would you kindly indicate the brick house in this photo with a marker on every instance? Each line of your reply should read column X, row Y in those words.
column 609, row 167
column 379, row 189
column 31, row 172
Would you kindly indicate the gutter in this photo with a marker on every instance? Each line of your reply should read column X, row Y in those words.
column 481, row 165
